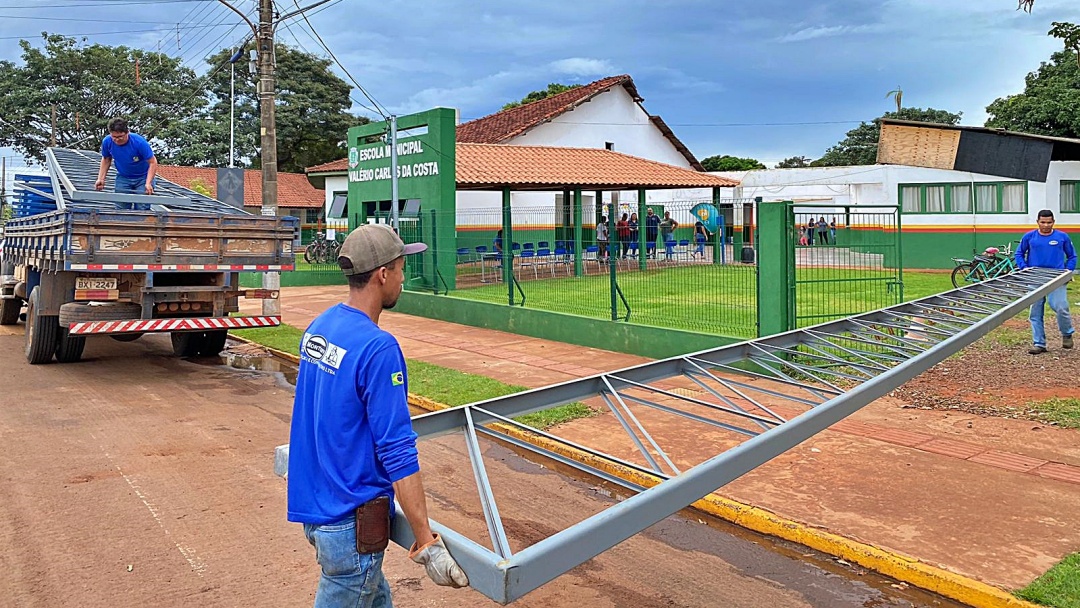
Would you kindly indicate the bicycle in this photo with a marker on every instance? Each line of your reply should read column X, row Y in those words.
column 321, row 250
column 990, row 264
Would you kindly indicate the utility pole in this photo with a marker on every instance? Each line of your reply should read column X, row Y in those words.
column 265, row 41
column 3, row 188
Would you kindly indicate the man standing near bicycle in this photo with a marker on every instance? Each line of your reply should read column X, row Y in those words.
column 1048, row 248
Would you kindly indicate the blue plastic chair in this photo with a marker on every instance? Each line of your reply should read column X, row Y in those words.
column 528, row 258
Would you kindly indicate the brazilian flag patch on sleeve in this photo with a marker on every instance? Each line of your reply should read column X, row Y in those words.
column 397, row 378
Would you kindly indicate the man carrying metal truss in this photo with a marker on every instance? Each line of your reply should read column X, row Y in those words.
column 136, row 165
column 353, row 448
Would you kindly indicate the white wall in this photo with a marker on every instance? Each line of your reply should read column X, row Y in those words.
column 612, row 116
column 879, row 184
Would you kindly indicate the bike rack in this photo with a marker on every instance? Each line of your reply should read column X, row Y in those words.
column 768, row 395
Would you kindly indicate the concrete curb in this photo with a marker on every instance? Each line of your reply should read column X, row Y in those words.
column 894, row 565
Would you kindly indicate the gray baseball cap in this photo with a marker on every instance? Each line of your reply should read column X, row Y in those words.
column 374, row 245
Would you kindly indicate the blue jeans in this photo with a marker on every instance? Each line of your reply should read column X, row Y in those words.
column 127, row 185
column 348, row 578
column 1059, row 303
column 669, row 245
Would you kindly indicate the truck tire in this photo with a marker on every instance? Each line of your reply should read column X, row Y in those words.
column 9, row 311
column 213, row 343
column 187, row 343
column 69, row 349
column 42, row 332
column 83, row 312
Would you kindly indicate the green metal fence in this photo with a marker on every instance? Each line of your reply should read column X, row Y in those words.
column 632, row 276
column 846, row 260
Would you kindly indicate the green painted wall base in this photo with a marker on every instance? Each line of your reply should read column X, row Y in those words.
column 643, row 340
column 253, row 280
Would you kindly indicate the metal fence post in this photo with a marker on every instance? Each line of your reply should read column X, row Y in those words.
column 718, row 236
column 578, row 269
column 613, row 253
column 508, row 246
column 775, row 265
column 642, row 251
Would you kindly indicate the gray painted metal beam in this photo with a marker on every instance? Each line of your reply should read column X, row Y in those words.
column 551, row 557
column 841, row 377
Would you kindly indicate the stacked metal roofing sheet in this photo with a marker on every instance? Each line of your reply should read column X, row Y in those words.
column 70, row 184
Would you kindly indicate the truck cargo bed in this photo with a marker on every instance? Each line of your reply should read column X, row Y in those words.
column 150, row 240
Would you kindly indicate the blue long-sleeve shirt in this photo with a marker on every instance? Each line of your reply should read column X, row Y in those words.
column 351, row 436
column 1054, row 250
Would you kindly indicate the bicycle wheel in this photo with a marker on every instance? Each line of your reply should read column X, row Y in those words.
column 967, row 273
column 958, row 275
column 310, row 253
column 332, row 249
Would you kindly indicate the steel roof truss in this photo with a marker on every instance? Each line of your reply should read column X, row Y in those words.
column 505, row 576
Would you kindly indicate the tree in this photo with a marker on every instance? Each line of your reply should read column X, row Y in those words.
column 312, row 116
column 552, row 89
column 87, row 86
column 898, row 96
column 730, row 163
column 860, row 145
column 1049, row 104
column 794, row 162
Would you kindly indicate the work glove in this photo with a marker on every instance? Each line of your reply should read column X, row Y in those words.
column 440, row 566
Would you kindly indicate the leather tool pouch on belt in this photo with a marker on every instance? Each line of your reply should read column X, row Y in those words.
column 373, row 525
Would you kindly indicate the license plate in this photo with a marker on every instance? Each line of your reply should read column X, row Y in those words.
column 94, row 283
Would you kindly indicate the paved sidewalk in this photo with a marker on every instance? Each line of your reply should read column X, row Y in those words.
column 989, row 498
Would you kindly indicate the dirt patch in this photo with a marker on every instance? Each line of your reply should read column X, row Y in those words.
column 997, row 377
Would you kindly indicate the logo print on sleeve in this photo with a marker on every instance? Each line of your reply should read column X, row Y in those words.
column 397, row 378
column 315, row 347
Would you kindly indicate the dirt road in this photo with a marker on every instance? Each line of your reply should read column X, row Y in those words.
column 137, row 479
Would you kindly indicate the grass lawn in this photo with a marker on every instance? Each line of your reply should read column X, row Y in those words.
column 1059, row 587
column 1064, row 412
column 716, row 299
column 435, row 382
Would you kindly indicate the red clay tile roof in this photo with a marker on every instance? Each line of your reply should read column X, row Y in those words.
column 294, row 190
column 484, row 166
column 501, row 126
column 335, row 166
column 542, row 167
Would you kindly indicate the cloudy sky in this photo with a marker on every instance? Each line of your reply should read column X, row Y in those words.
column 762, row 78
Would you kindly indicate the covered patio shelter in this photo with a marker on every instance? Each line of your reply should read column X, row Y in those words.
column 570, row 171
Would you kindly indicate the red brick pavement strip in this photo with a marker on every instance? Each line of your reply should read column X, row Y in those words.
column 951, row 447
column 918, row 441
column 1059, row 471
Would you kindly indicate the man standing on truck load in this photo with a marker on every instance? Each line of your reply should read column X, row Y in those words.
column 1048, row 248
column 136, row 165
column 352, row 446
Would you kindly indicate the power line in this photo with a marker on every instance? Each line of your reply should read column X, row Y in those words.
column 113, row 33
column 296, row 77
column 381, row 109
column 98, row 3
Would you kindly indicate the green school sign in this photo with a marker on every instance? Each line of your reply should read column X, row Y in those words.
column 426, row 178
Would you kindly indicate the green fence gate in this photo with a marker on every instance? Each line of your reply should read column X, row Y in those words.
column 845, row 260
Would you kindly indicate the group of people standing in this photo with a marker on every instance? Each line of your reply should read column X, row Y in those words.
column 627, row 231
column 826, row 232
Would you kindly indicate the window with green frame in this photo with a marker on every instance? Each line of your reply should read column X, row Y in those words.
column 986, row 197
column 1069, row 196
